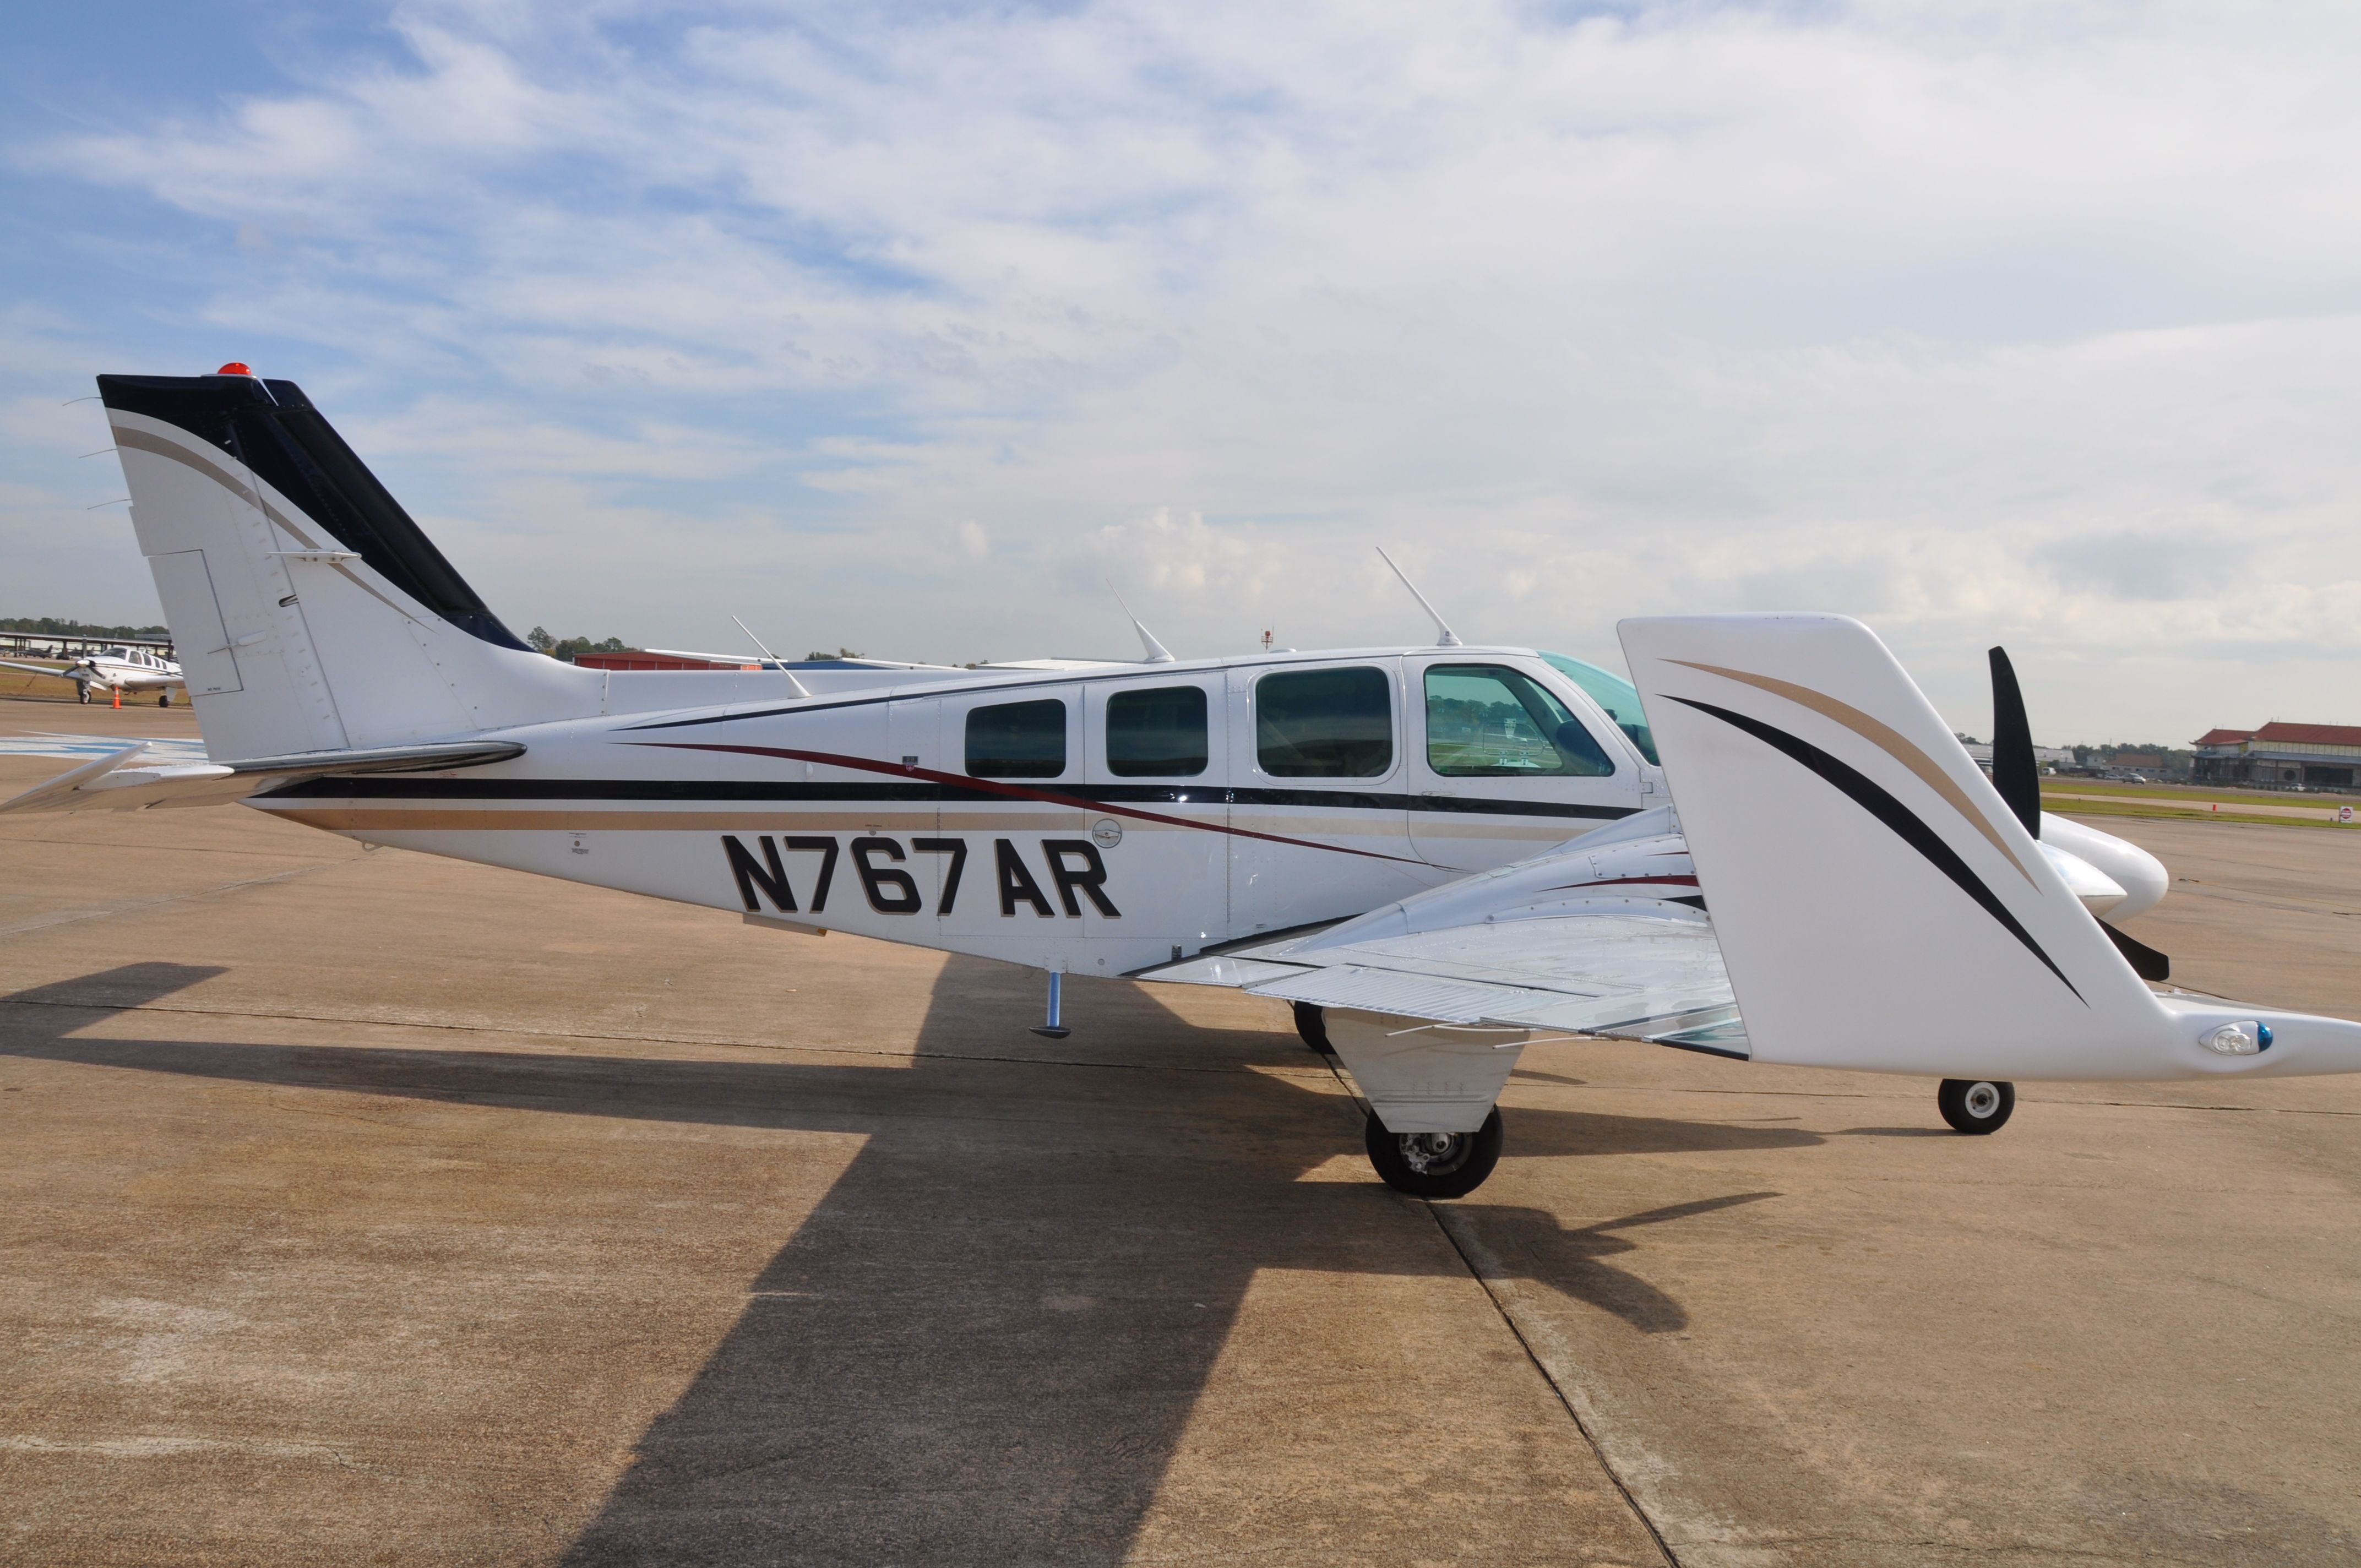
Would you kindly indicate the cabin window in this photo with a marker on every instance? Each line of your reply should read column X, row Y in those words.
column 1324, row 724
column 1017, row 740
column 1156, row 733
column 1490, row 721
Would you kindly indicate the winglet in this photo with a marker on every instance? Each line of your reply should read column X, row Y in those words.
column 1878, row 904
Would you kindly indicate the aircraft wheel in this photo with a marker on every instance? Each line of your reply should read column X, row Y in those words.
column 1312, row 1024
column 1434, row 1165
column 1975, row 1105
column 163, row 699
column 85, row 695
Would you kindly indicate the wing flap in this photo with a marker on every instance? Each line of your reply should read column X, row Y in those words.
column 1359, row 990
column 1234, row 970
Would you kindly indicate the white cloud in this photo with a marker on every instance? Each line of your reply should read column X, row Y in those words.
column 1983, row 322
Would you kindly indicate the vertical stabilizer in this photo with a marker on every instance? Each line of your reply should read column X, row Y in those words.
column 310, row 612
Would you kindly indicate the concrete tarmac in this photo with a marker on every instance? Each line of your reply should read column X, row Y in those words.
column 358, row 1206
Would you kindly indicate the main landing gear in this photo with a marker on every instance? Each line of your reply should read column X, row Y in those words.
column 163, row 699
column 1975, row 1104
column 1436, row 1165
column 1423, row 1165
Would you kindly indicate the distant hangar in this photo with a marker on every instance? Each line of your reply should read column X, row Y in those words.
column 2280, row 755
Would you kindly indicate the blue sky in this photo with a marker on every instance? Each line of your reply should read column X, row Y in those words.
column 900, row 327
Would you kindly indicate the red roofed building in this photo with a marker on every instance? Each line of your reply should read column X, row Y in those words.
column 2281, row 756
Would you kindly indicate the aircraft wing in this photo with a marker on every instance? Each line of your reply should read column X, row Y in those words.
column 1601, row 936
column 112, row 783
column 64, row 675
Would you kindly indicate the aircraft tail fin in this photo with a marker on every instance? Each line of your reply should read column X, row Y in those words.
column 310, row 611
column 1877, row 903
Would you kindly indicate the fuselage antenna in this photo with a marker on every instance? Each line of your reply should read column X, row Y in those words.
column 780, row 664
column 1158, row 654
column 1443, row 636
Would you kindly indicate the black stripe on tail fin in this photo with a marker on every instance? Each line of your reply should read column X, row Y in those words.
column 273, row 428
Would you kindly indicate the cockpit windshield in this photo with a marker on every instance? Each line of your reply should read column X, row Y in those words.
column 1619, row 696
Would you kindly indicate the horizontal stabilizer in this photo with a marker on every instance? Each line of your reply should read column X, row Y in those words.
column 114, row 782
column 425, row 759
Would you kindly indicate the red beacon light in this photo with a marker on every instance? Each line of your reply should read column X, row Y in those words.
column 235, row 367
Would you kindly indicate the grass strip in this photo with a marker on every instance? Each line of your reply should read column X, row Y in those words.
column 2067, row 805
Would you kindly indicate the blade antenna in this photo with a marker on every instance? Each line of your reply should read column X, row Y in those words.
column 1444, row 636
column 1158, row 654
column 2015, row 772
column 778, row 664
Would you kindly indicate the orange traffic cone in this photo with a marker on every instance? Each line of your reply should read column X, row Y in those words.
column 118, row 697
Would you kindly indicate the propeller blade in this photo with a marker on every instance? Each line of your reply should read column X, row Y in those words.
column 2145, row 962
column 2015, row 772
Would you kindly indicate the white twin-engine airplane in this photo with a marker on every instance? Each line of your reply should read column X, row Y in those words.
column 1438, row 854
column 134, row 671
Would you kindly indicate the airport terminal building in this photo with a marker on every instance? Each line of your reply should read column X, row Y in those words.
column 2281, row 756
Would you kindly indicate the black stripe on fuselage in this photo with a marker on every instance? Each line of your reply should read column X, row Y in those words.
column 411, row 787
column 1905, row 824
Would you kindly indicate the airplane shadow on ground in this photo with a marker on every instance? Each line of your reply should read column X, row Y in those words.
column 984, row 1344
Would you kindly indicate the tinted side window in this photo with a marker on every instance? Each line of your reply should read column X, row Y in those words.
column 1018, row 741
column 1160, row 732
column 1324, row 724
column 1490, row 721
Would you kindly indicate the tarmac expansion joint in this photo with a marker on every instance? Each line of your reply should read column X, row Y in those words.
column 1533, row 1357
column 1540, row 1367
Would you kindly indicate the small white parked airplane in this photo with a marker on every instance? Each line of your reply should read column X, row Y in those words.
column 1437, row 853
column 132, row 671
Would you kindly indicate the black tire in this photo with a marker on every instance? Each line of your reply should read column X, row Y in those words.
column 1312, row 1024
column 1976, row 1105
column 85, row 694
column 163, row 699
column 1434, row 1165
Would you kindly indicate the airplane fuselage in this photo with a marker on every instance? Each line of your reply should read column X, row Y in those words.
column 127, row 669
column 1102, row 821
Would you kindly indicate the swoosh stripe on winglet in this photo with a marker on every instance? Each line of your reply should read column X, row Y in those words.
column 1883, row 736
column 1872, row 798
